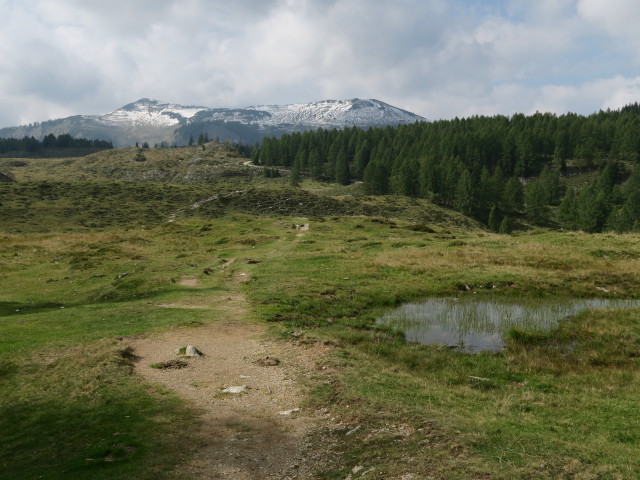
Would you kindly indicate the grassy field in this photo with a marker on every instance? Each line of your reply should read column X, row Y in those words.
column 86, row 262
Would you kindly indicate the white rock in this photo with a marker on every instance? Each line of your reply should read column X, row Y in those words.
column 191, row 351
column 289, row 412
column 350, row 432
column 235, row 389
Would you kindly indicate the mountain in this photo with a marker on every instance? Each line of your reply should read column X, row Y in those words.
column 154, row 121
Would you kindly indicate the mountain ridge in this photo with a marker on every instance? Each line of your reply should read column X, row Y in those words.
column 155, row 121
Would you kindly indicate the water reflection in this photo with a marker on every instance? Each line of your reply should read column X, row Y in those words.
column 477, row 325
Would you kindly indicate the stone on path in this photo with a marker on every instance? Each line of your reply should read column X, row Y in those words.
column 235, row 389
column 191, row 351
column 289, row 412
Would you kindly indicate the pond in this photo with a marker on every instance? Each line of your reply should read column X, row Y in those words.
column 478, row 325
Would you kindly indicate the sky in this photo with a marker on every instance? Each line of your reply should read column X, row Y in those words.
column 437, row 58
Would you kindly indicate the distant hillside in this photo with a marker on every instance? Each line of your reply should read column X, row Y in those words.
column 494, row 169
column 155, row 122
column 51, row 146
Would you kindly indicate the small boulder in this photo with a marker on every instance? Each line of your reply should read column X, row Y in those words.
column 289, row 412
column 235, row 389
column 6, row 178
column 192, row 351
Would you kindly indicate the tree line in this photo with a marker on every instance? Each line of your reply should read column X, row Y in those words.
column 490, row 168
column 64, row 141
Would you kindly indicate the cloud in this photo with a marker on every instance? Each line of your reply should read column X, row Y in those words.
column 618, row 18
column 437, row 58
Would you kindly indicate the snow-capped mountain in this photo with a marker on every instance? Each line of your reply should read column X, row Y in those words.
column 155, row 121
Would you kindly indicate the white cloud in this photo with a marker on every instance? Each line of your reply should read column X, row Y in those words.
column 618, row 17
column 437, row 58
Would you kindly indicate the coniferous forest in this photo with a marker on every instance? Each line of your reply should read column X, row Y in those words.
column 496, row 169
column 65, row 141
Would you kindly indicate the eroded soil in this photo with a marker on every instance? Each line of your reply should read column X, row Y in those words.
column 260, row 433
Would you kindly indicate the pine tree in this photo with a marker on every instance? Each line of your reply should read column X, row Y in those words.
column 342, row 174
column 140, row 156
column 466, row 194
column 525, row 154
column 49, row 141
column 450, row 177
column 376, row 178
column 268, row 152
column 536, row 207
column 505, row 226
column 591, row 209
column 493, row 221
column 633, row 183
column 626, row 217
column 332, row 158
column 315, row 164
column 498, row 184
column 513, row 196
column 486, row 193
column 405, row 178
column 294, row 176
column 361, row 159
column 567, row 215
column 550, row 184
column 255, row 155
column 191, row 140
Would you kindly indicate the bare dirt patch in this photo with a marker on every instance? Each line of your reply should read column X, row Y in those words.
column 242, row 277
column 303, row 228
column 261, row 433
column 189, row 281
column 227, row 263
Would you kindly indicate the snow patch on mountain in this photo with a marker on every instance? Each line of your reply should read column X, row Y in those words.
column 150, row 112
column 337, row 113
column 327, row 113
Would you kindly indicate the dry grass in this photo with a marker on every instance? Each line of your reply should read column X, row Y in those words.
column 578, row 265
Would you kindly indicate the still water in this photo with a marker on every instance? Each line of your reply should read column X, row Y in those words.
column 477, row 325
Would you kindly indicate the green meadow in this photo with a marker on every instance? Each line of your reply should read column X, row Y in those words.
column 92, row 251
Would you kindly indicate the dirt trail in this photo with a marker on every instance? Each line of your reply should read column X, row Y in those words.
column 257, row 434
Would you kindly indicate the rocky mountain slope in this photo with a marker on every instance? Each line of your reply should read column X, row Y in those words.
column 154, row 121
